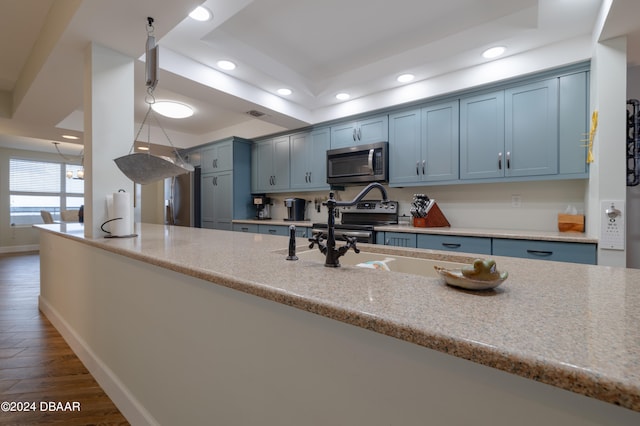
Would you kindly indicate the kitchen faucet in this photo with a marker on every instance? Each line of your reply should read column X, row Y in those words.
column 329, row 248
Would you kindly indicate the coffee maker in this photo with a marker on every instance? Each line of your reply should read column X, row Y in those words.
column 295, row 208
column 262, row 204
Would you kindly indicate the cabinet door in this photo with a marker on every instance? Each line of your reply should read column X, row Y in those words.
column 206, row 200
column 400, row 239
column 280, row 169
column 405, row 153
column 320, row 143
column 546, row 250
column 224, row 156
column 223, row 200
column 440, row 142
column 573, row 121
column 343, row 135
column 273, row 229
column 480, row 245
column 373, row 130
column 207, row 157
column 264, row 165
column 482, row 136
column 299, row 150
column 531, row 129
column 245, row 227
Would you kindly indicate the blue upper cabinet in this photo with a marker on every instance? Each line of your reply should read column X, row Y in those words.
column 423, row 144
column 482, row 152
column 308, row 159
column 271, row 165
column 372, row 130
column 511, row 133
column 531, row 129
column 573, row 124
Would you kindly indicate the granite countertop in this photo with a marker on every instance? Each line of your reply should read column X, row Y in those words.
column 569, row 237
column 573, row 326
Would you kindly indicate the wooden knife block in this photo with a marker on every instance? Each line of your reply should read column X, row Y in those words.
column 435, row 219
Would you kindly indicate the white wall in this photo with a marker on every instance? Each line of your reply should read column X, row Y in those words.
column 473, row 205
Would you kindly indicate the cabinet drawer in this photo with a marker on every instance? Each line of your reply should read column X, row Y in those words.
column 245, row 227
column 479, row 245
column 397, row 239
column 273, row 229
column 546, row 250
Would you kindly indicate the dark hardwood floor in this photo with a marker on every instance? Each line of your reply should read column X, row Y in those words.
column 37, row 367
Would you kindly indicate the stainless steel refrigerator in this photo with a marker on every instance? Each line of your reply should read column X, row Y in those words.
column 184, row 202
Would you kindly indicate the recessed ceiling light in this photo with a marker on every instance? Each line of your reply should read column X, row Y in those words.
column 70, row 137
column 284, row 92
column 172, row 109
column 226, row 65
column 343, row 96
column 405, row 78
column 493, row 52
column 200, row 14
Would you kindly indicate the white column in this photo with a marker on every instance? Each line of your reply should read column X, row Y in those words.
column 108, row 130
column 607, row 177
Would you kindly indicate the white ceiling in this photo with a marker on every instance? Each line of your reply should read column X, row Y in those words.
column 316, row 48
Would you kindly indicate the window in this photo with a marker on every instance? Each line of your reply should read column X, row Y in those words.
column 39, row 185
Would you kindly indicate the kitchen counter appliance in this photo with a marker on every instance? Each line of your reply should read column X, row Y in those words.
column 358, row 164
column 359, row 220
column 295, row 208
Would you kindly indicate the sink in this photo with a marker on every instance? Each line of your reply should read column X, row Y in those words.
column 395, row 263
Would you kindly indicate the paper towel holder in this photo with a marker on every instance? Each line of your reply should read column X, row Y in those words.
column 114, row 236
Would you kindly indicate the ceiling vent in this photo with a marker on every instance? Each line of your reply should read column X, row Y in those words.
column 255, row 113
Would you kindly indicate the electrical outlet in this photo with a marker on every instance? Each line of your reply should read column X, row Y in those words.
column 516, row 201
column 612, row 225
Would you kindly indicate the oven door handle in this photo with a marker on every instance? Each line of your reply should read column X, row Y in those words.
column 364, row 234
column 371, row 151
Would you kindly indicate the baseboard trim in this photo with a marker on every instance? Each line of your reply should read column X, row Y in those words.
column 19, row 249
column 128, row 405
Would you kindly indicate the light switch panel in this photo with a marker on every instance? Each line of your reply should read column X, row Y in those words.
column 613, row 230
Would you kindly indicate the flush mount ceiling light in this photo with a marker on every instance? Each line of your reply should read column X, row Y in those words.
column 343, row 96
column 405, row 78
column 284, row 92
column 493, row 52
column 201, row 13
column 226, row 65
column 172, row 109
column 70, row 137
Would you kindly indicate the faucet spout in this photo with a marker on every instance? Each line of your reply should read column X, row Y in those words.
column 362, row 194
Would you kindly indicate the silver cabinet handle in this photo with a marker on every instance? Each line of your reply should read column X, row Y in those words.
column 541, row 253
column 451, row 245
column 508, row 159
column 417, row 168
column 359, row 134
column 499, row 161
column 309, row 177
column 354, row 133
column 423, row 163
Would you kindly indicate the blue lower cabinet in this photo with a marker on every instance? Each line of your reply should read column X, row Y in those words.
column 245, row 227
column 397, row 239
column 480, row 245
column 546, row 250
column 282, row 230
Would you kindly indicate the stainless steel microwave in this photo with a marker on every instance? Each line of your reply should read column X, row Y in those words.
column 358, row 164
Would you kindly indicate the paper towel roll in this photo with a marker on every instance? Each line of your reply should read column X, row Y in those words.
column 118, row 206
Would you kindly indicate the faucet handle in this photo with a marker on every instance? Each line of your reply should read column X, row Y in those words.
column 351, row 243
column 316, row 239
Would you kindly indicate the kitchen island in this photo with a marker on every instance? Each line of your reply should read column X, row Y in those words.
column 193, row 326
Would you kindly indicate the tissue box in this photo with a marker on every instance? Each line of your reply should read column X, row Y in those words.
column 570, row 222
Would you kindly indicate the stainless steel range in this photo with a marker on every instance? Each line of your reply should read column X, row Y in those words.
column 359, row 220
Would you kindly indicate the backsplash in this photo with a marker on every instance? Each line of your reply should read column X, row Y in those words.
column 531, row 206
